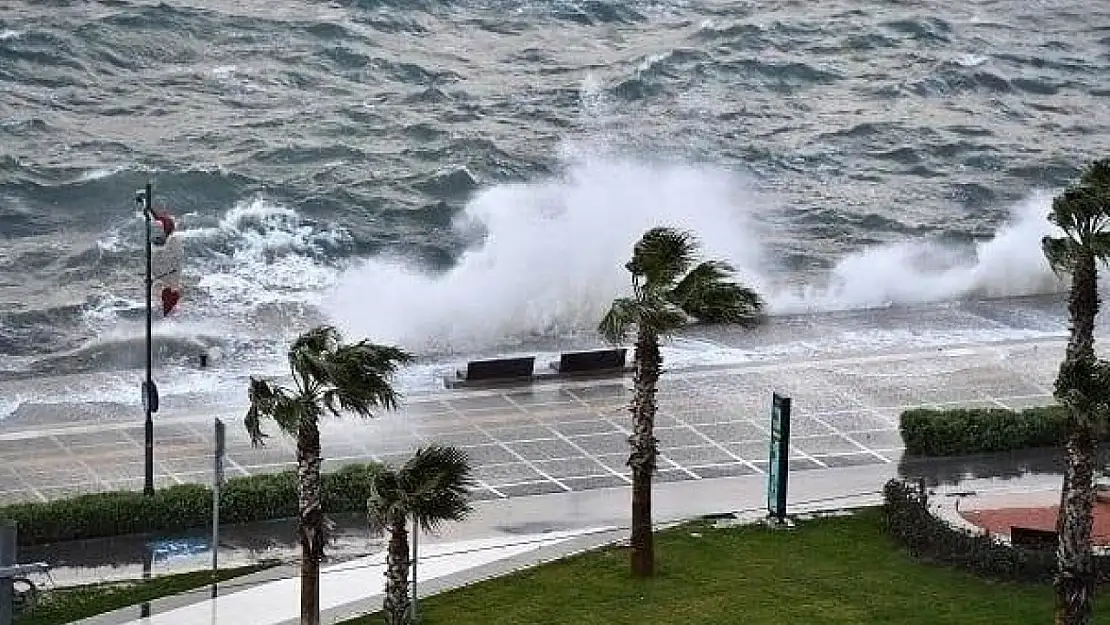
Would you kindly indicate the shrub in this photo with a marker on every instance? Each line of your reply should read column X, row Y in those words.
column 906, row 518
column 183, row 507
column 962, row 431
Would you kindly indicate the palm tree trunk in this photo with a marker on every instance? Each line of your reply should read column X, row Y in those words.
column 642, row 458
column 1075, row 577
column 310, row 530
column 397, row 564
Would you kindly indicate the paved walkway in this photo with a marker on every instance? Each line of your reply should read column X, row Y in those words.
column 501, row 536
column 508, row 534
column 550, row 458
column 553, row 438
column 1035, row 509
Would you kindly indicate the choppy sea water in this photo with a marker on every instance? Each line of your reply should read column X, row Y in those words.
column 468, row 176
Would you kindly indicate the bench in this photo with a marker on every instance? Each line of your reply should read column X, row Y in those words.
column 496, row 370
column 1031, row 538
column 591, row 362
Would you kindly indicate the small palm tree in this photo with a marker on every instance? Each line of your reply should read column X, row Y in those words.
column 1082, row 212
column 669, row 292
column 431, row 488
column 328, row 377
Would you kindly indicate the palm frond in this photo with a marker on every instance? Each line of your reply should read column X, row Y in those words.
column 1096, row 177
column 1100, row 246
column 617, row 323
column 708, row 295
column 1060, row 253
column 358, row 377
column 1079, row 212
column 432, row 487
column 660, row 316
column 268, row 401
column 321, row 339
column 662, row 255
column 437, row 481
column 309, row 355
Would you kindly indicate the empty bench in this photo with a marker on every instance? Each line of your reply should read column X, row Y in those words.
column 494, row 371
column 595, row 362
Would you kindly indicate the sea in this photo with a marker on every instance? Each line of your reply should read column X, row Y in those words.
column 466, row 178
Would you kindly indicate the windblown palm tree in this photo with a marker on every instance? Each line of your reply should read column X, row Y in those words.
column 1082, row 386
column 328, row 377
column 669, row 292
column 431, row 488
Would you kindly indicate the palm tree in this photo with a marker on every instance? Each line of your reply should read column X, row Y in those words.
column 328, row 377
column 431, row 488
column 1082, row 212
column 668, row 292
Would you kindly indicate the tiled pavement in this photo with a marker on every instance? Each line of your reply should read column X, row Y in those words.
column 554, row 437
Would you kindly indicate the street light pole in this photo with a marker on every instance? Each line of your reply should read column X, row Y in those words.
column 149, row 394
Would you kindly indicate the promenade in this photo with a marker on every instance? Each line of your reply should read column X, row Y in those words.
column 553, row 437
column 550, row 457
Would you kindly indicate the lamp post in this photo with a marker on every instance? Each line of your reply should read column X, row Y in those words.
column 150, row 393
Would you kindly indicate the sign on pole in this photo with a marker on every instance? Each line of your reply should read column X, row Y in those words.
column 778, row 461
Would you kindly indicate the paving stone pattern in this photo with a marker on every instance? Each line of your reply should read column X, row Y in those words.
column 553, row 437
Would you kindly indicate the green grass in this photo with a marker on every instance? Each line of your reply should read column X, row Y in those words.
column 830, row 571
column 65, row 605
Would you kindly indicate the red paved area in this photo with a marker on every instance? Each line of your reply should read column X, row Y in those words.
column 999, row 521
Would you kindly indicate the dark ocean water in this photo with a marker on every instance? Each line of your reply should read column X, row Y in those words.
column 464, row 175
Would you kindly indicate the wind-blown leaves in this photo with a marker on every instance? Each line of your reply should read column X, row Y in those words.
column 275, row 402
column 708, row 295
column 432, row 487
column 1083, row 213
column 662, row 255
column 328, row 376
column 668, row 294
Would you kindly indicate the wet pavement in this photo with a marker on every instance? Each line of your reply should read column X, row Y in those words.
column 506, row 534
column 133, row 557
column 550, row 457
column 557, row 437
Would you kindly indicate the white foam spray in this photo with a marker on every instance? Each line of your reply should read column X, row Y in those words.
column 552, row 258
column 912, row 272
column 277, row 257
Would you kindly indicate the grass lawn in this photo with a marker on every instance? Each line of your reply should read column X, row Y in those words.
column 831, row 571
column 65, row 605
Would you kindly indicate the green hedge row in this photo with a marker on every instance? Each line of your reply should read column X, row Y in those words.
column 183, row 507
column 906, row 518
column 962, row 431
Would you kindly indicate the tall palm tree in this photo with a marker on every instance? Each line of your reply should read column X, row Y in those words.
column 328, row 377
column 1082, row 212
column 670, row 290
column 431, row 488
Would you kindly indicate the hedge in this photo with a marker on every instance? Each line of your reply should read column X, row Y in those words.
column 183, row 507
column 963, row 431
column 906, row 518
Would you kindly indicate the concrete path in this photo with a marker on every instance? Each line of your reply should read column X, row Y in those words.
column 351, row 588
column 501, row 536
column 558, row 437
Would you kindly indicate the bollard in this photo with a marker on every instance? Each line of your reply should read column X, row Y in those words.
column 7, row 558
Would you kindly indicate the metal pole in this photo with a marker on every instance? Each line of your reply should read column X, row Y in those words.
column 415, row 542
column 148, row 565
column 148, row 483
column 7, row 558
column 217, row 481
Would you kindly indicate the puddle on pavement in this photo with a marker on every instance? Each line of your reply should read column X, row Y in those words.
column 128, row 557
